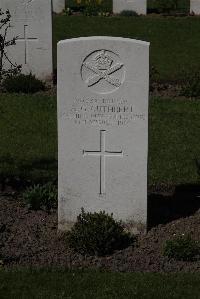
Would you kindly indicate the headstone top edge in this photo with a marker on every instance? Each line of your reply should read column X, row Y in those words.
column 105, row 38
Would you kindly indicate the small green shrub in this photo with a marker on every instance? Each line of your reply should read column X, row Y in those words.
column 104, row 14
column 97, row 234
column 68, row 11
column 23, row 83
column 191, row 88
column 128, row 13
column 182, row 248
column 41, row 196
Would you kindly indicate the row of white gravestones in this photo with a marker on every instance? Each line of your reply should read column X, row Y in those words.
column 195, row 6
column 139, row 6
column 31, row 22
column 103, row 128
column 58, row 6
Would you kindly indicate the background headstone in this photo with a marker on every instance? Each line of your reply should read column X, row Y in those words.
column 103, row 128
column 139, row 6
column 195, row 6
column 32, row 22
column 58, row 5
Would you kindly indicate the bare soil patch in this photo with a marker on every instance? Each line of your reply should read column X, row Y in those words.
column 167, row 90
column 29, row 238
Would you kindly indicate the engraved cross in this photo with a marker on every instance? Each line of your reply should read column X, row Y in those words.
column 102, row 154
column 26, row 40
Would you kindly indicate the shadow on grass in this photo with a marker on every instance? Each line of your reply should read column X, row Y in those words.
column 44, row 164
column 21, row 174
column 184, row 201
column 162, row 207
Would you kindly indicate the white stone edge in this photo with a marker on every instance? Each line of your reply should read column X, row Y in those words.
column 107, row 38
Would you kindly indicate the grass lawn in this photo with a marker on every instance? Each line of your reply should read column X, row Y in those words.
column 91, row 284
column 173, row 141
column 175, row 42
column 28, row 145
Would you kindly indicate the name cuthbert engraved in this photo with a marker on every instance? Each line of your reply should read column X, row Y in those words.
column 105, row 111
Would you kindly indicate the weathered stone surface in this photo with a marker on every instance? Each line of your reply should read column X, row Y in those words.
column 32, row 22
column 58, row 5
column 139, row 6
column 103, row 128
column 195, row 6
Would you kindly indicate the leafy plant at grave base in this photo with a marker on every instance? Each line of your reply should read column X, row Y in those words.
column 191, row 87
column 41, row 196
column 129, row 13
column 67, row 11
column 182, row 248
column 74, row 8
column 11, row 67
column 97, row 234
column 23, row 83
column 103, row 14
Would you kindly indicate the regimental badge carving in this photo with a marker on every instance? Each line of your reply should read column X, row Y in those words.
column 102, row 67
column 102, row 71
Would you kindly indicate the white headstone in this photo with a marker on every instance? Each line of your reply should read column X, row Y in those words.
column 103, row 128
column 195, row 6
column 139, row 6
column 58, row 5
column 31, row 21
